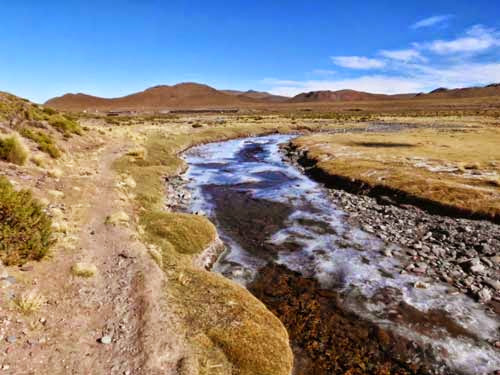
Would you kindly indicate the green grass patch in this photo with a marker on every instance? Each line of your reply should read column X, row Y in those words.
column 13, row 150
column 25, row 229
column 44, row 141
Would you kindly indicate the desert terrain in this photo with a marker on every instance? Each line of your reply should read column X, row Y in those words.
column 119, row 217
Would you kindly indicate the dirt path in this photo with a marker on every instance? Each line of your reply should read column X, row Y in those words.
column 123, row 303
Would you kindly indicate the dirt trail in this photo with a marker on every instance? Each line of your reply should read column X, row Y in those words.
column 124, row 300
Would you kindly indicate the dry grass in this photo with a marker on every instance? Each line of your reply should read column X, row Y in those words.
column 86, row 270
column 230, row 329
column 13, row 150
column 29, row 302
column 453, row 168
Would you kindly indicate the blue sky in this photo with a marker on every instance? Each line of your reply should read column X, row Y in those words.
column 113, row 48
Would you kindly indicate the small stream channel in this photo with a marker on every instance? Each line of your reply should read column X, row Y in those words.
column 346, row 305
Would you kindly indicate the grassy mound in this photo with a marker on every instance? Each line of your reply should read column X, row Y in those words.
column 25, row 230
column 188, row 234
column 13, row 150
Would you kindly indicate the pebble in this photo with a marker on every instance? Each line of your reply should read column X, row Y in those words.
column 106, row 340
column 11, row 339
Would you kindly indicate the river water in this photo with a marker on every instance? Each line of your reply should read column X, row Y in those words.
column 288, row 243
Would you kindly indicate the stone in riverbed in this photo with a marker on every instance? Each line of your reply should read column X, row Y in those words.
column 495, row 284
column 484, row 295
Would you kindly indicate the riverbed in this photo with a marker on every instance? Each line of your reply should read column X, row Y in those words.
column 338, row 289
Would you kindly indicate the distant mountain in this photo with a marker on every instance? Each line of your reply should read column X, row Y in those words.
column 198, row 96
column 336, row 96
column 183, row 95
column 467, row 92
column 258, row 95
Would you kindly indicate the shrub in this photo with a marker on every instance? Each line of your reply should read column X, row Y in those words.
column 44, row 141
column 25, row 230
column 65, row 125
column 13, row 150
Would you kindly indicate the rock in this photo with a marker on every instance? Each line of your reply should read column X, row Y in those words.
column 478, row 269
column 484, row 295
column 495, row 259
column 11, row 339
column 495, row 284
column 106, row 340
column 387, row 252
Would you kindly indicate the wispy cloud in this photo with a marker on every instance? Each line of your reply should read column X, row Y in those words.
column 431, row 21
column 470, row 59
column 323, row 72
column 476, row 39
column 358, row 62
column 405, row 55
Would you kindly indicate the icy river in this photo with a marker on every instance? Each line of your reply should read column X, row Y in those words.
column 332, row 284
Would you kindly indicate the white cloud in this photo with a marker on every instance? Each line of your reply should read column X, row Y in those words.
column 477, row 39
column 420, row 68
column 417, row 78
column 431, row 21
column 358, row 62
column 405, row 55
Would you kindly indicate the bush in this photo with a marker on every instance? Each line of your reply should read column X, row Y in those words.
column 65, row 125
column 25, row 230
column 12, row 150
column 44, row 141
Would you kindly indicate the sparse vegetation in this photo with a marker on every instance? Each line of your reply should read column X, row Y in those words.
column 13, row 150
column 65, row 125
column 86, row 270
column 44, row 141
column 29, row 302
column 25, row 230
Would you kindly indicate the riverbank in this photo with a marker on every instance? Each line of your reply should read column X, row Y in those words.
column 461, row 252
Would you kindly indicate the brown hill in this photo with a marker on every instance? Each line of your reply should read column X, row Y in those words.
column 467, row 92
column 336, row 96
column 258, row 95
column 183, row 95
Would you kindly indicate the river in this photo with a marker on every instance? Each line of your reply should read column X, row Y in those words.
column 345, row 302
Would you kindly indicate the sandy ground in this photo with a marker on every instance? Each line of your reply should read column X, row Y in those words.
column 123, row 303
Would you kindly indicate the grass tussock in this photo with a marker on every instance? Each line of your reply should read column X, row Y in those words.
column 188, row 234
column 225, row 317
column 25, row 229
column 85, row 270
column 13, row 150
column 29, row 302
